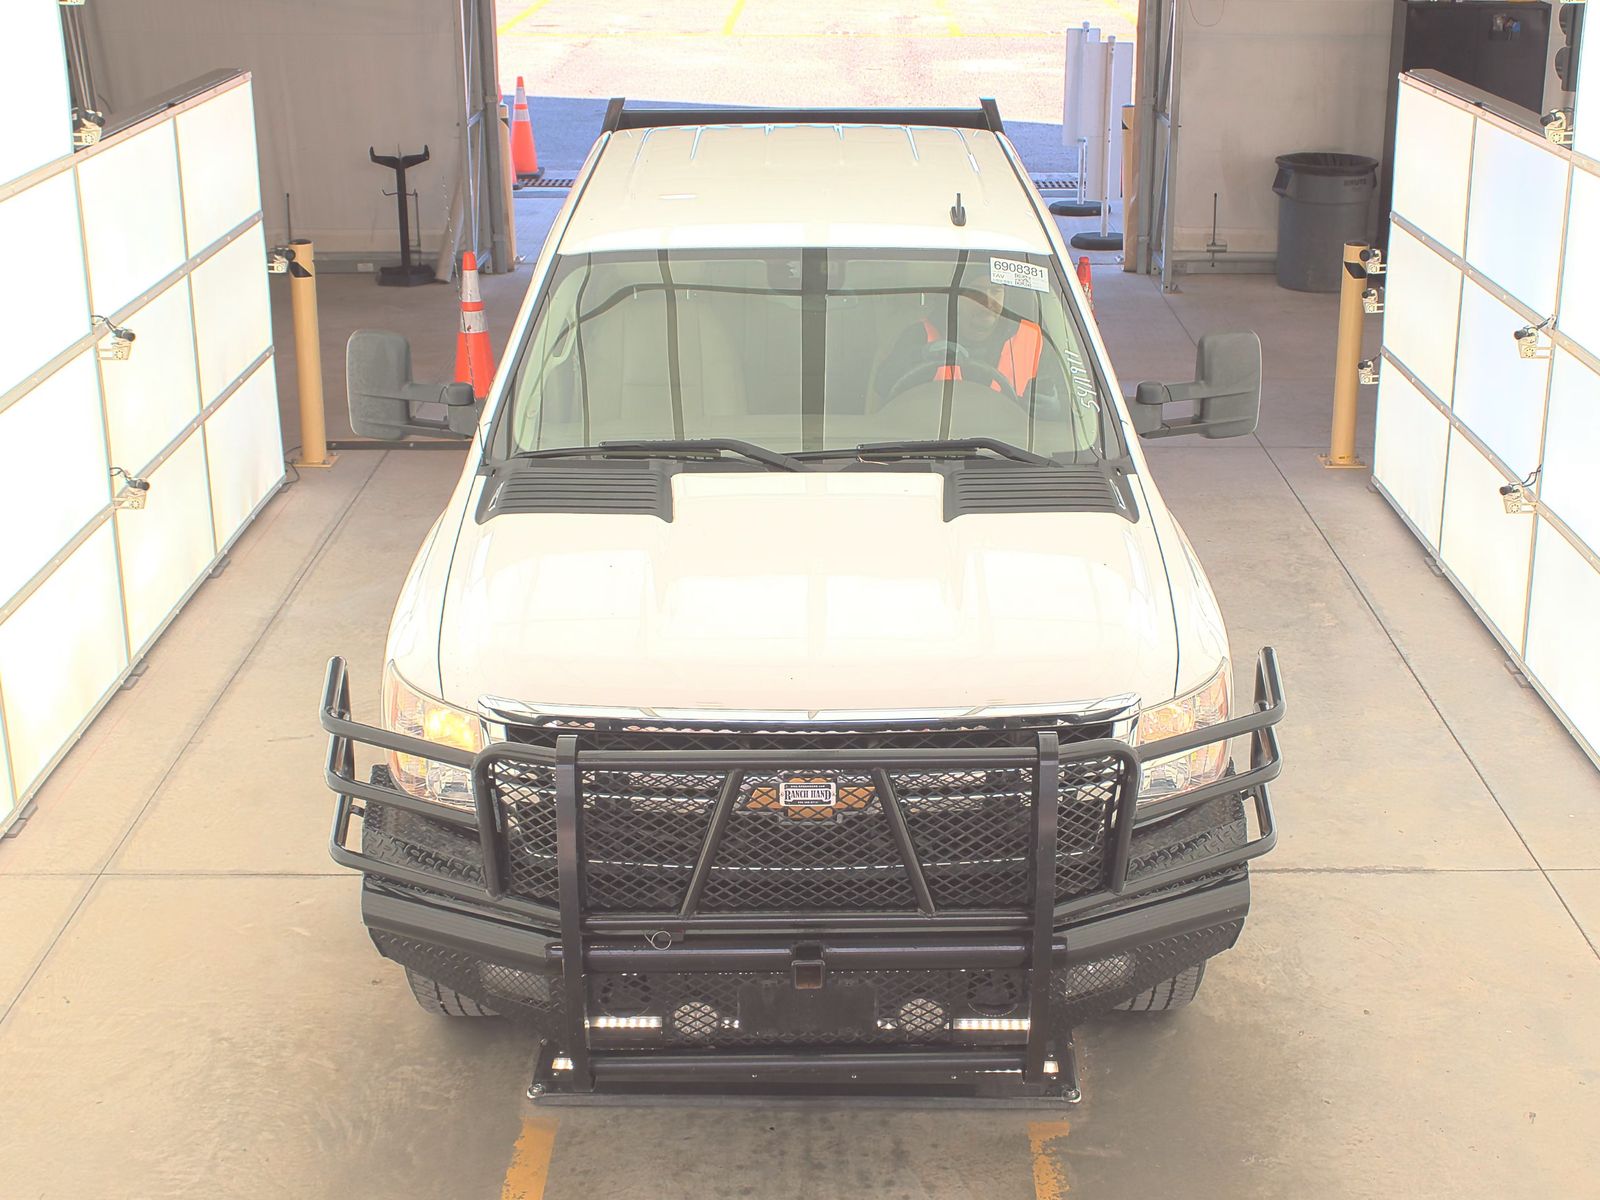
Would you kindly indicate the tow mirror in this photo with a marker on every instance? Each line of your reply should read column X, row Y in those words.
column 387, row 404
column 1226, row 392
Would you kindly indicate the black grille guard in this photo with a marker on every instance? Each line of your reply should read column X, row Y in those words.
column 1036, row 921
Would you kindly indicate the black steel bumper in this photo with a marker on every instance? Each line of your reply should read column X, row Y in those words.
column 692, row 998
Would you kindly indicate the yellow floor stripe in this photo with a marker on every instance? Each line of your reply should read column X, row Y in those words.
column 522, row 16
column 1049, row 1176
column 530, row 1160
column 949, row 21
column 733, row 17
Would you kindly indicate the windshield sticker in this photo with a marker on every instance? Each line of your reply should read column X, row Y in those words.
column 1018, row 274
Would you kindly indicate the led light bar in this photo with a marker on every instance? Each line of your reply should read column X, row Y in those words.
column 624, row 1022
column 990, row 1024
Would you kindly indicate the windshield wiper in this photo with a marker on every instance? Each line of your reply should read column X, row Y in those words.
column 676, row 448
column 936, row 447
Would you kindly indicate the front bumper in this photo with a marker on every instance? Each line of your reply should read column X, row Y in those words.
column 693, row 998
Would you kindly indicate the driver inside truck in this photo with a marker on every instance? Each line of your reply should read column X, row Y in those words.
column 974, row 338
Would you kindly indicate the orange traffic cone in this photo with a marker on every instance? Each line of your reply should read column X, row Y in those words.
column 524, row 157
column 474, row 357
column 1086, row 278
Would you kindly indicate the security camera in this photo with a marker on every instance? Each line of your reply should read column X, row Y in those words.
column 1557, row 125
column 120, row 346
column 135, row 493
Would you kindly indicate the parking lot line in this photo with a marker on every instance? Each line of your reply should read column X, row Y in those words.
column 506, row 26
column 733, row 17
column 530, row 1159
column 1049, row 1176
column 949, row 21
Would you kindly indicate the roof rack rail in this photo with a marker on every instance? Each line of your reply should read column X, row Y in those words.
column 619, row 116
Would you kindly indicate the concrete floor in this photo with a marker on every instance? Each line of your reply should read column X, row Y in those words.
column 189, row 1006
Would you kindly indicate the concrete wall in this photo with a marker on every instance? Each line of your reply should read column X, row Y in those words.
column 1266, row 77
column 331, row 78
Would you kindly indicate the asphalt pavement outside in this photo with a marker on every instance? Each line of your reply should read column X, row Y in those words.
column 189, row 1006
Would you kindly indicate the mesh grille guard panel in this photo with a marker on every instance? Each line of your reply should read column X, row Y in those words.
column 963, row 834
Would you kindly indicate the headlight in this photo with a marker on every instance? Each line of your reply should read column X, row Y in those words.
column 1206, row 705
column 408, row 711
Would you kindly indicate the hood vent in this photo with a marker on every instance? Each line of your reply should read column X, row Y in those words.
column 618, row 488
column 976, row 490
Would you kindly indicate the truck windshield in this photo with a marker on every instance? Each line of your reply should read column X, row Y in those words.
column 807, row 350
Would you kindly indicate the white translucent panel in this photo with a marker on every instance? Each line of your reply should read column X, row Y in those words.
column 1422, row 302
column 1519, row 193
column 1499, row 394
column 53, row 471
column 33, row 88
column 1587, row 106
column 232, row 316
column 1486, row 547
column 44, row 305
column 166, row 545
column 1580, row 281
column 1409, row 458
column 246, row 450
column 60, row 652
column 152, row 395
column 1570, row 484
column 8, row 799
column 1432, row 159
column 1563, row 653
column 217, row 144
column 132, row 216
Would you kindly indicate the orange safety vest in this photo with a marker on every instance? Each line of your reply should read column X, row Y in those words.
column 1019, row 357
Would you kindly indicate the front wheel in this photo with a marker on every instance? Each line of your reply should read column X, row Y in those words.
column 1169, row 993
column 434, row 997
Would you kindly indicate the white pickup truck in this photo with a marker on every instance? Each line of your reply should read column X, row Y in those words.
column 805, row 685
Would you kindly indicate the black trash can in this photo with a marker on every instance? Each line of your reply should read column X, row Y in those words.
column 1324, row 201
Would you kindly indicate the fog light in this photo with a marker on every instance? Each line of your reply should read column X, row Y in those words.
column 991, row 1024
column 624, row 1022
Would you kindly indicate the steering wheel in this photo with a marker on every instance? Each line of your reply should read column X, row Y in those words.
column 940, row 355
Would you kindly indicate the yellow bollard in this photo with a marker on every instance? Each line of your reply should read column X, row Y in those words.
column 508, row 184
column 1347, row 358
column 308, row 356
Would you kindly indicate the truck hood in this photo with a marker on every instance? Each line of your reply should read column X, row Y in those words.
column 804, row 596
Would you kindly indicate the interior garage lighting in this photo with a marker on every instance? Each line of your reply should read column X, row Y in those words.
column 990, row 1024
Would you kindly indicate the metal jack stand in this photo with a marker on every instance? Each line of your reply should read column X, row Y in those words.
column 407, row 274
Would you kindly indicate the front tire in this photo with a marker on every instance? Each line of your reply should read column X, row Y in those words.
column 1172, row 993
column 433, row 997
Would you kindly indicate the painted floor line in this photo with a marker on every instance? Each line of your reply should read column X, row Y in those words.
column 521, row 16
column 1049, row 1173
column 530, row 1159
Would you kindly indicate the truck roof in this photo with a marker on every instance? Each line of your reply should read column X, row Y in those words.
column 803, row 184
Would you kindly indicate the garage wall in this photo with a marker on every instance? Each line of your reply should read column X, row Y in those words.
column 156, row 228
column 1259, row 78
column 1494, row 230
column 331, row 81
